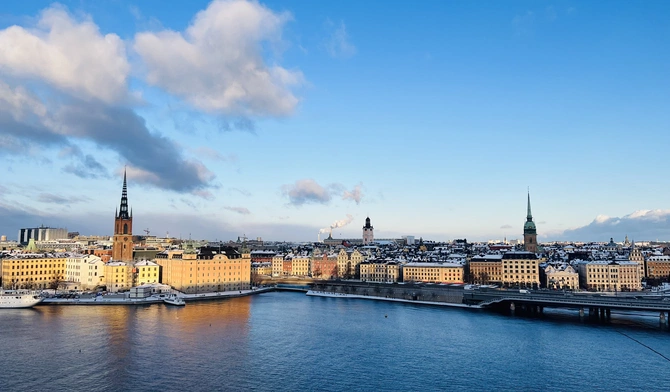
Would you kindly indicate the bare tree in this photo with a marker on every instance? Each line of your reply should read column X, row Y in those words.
column 56, row 282
column 317, row 272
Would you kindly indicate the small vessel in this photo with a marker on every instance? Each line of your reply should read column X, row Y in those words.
column 19, row 299
column 172, row 299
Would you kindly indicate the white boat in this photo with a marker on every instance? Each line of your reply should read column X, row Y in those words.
column 172, row 299
column 19, row 299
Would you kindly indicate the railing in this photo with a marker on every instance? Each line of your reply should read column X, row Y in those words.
column 625, row 303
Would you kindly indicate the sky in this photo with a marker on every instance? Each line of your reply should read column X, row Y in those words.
column 283, row 119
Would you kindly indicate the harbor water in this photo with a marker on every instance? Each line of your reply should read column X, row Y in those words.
column 286, row 341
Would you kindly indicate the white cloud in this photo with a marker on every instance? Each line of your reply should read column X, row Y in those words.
column 306, row 191
column 338, row 43
column 68, row 54
column 217, row 64
column 642, row 225
column 356, row 194
column 309, row 191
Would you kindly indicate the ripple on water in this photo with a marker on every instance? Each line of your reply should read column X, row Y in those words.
column 287, row 341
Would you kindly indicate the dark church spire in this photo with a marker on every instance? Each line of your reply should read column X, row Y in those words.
column 123, row 212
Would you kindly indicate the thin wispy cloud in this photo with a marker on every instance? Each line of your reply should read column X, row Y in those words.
column 338, row 43
column 239, row 210
column 59, row 199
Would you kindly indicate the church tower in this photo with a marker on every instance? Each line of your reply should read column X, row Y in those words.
column 368, row 232
column 122, row 247
column 529, row 231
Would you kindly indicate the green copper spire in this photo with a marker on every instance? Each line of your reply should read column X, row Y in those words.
column 529, row 226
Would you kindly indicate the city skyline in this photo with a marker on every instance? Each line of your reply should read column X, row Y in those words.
column 431, row 120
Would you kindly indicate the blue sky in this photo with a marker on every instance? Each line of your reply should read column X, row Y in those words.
column 278, row 119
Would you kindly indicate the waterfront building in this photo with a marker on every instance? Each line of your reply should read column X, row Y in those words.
column 347, row 263
column 520, row 269
column 287, row 266
column 33, row 270
column 41, row 234
column 324, row 266
column 122, row 248
column 563, row 277
column 277, row 265
column 432, row 272
column 604, row 275
column 300, row 265
column 145, row 272
column 117, row 276
column 261, row 268
column 380, row 271
column 486, row 269
column 529, row 231
column 207, row 269
column 658, row 267
column 368, row 232
column 84, row 272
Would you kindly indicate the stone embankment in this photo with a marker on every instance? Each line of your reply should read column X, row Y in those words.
column 437, row 294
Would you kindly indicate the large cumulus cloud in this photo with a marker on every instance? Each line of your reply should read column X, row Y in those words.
column 217, row 65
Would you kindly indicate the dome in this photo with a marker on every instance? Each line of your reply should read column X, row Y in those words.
column 529, row 226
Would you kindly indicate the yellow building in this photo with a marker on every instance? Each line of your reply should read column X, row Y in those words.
column 261, row 268
column 117, row 276
column 300, row 265
column 486, row 269
column 610, row 275
column 33, row 271
column 432, row 272
column 278, row 265
column 145, row 272
column 205, row 270
column 521, row 269
column 347, row 263
column 380, row 271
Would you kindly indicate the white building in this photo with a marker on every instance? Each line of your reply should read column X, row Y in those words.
column 84, row 272
column 562, row 278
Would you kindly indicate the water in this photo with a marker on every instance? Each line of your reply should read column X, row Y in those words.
column 290, row 342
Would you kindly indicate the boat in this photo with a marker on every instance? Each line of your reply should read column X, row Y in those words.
column 172, row 299
column 16, row 299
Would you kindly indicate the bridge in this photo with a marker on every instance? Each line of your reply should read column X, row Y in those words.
column 597, row 304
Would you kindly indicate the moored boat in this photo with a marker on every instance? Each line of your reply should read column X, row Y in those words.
column 16, row 299
column 172, row 299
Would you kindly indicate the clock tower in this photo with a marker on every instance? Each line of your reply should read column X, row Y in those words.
column 368, row 232
column 122, row 247
column 529, row 231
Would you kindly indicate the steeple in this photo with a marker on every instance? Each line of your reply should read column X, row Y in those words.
column 530, row 231
column 123, row 212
